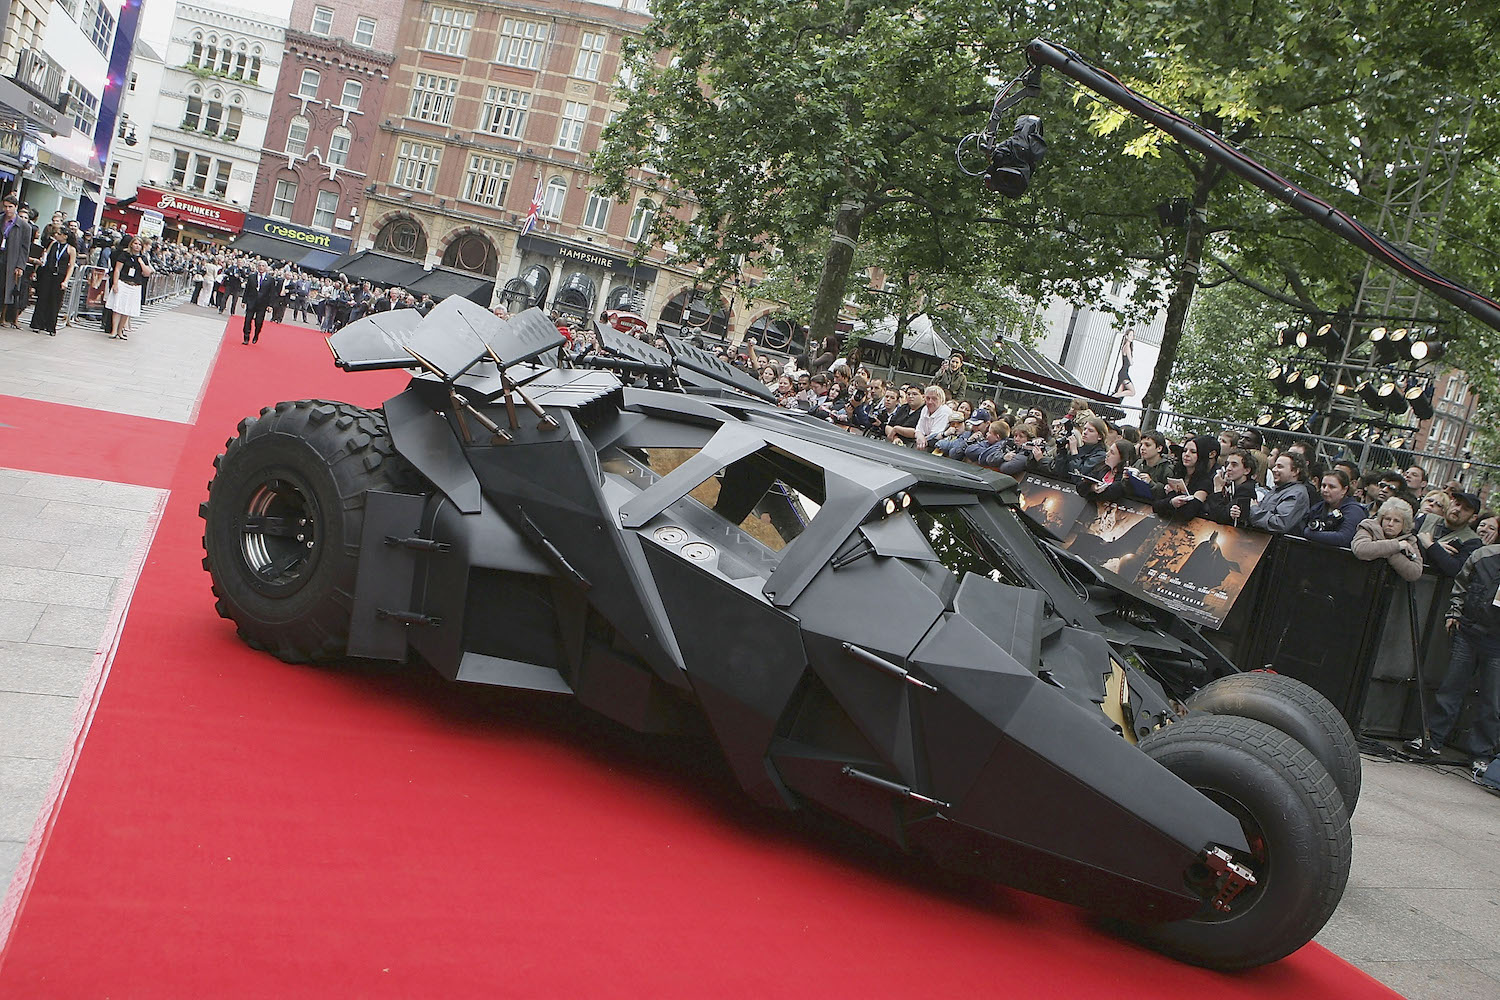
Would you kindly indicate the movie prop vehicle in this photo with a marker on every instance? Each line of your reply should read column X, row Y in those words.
column 868, row 631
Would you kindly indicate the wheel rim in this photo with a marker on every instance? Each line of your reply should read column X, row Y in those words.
column 1257, row 859
column 278, row 535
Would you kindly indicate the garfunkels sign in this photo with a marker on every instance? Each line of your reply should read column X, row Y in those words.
column 310, row 238
column 203, row 213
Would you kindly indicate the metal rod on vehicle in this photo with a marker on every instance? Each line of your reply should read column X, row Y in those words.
column 885, row 666
column 894, row 787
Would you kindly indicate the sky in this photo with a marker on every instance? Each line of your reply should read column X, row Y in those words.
column 156, row 17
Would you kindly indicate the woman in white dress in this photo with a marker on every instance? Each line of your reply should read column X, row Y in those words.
column 127, row 286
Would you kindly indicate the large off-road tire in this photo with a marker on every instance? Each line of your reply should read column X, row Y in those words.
column 1296, row 709
column 1295, row 822
column 283, row 519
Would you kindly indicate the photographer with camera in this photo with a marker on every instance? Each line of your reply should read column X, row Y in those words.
column 1335, row 518
column 951, row 378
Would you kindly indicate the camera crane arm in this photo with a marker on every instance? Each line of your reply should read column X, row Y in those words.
column 1040, row 52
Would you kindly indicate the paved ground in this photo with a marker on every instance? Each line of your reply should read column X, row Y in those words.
column 1423, row 905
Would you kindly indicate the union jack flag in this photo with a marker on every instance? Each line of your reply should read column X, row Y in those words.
column 535, row 210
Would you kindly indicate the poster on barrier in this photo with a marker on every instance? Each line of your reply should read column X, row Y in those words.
column 96, row 290
column 1193, row 568
column 1052, row 505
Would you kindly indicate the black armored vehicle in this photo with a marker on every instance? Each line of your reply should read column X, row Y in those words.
column 867, row 631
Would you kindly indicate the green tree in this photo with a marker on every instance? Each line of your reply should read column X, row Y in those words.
column 1227, row 348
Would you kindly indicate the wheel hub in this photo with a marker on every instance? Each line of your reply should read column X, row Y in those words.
column 278, row 533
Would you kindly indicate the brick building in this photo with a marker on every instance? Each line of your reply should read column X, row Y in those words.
column 491, row 104
column 1450, row 432
column 322, row 121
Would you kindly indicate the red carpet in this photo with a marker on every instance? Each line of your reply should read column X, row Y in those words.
column 237, row 827
column 74, row 441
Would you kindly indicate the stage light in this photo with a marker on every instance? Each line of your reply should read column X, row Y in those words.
column 1370, row 393
column 1264, row 420
column 1286, row 337
column 1274, row 375
column 1297, row 424
column 1419, row 397
column 1313, row 387
column 1391, row 398
column 1012, row 161
column 1426, row 350
column 1302, row 339
column 1291, row 380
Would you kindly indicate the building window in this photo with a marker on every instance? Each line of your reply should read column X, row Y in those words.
column 487, row 181
column 254, row 76
column 322, row 21
column 98, row 25
column 213, row 117
column 284, row 198
column 505, row 112
column 552, row 200
column 338, row 147
column 296, row 136
column 521, row 43
column 233, row 119
column 590, row 51
column 570, row 133
column 596, row 211
column 326, row 210
column 640, row 220
column 432, row 98
column 225, row 54
column 133, row 77
column 192, row 117
column 364, row 32
column 448, row 31
column 402, row 237
column 309, row 85
column 221, row 179
column 201, row 166
column 353, row 91
column 83, row 106
column 114, row 177
column 179, row 167
column 417, row 166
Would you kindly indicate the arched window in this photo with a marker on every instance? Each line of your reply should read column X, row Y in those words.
column 213, row 117
column 254, row 76
column 233, row 121
column 192, row 118
column 338, row 147
column 296, row 136
column 552, row 200
column 472, row 252
column 239, row 62
column 689, row 307
column 403, row 237
column 353, row 90
column 197, row 56
column 210, row 55
column 640, row 220
column 224, row 56
column 309, row 85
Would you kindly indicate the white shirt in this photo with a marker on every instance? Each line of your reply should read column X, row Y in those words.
column 933, row 422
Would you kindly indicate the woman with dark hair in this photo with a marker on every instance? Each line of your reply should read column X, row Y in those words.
column 1488, row 528
column 1334, row 519
column 1115, row 476
column 1189, row 489
column 827, row 355
column 1124, row 386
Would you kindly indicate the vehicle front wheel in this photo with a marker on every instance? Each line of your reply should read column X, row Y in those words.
column 1296, row 709
column 283, row 519
column 1294, row 821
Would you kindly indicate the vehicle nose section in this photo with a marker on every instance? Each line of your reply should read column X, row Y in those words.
column 1014, row 757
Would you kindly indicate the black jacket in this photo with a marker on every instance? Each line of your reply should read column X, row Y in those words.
column 1217, row 507
column 1439, row 560
column 270, row 288
column 1474, row 589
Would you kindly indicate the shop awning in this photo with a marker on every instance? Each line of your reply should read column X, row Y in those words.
column 442, row 282
column 378, row 268
column 318, row 260
column 264, row 246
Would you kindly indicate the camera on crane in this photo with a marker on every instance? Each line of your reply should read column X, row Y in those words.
column 1012, row 161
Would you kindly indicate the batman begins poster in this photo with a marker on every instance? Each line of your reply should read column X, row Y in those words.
column 1194, row 568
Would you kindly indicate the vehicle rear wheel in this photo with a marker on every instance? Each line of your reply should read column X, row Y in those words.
column 283, row 519
column 1296, row 709
column 1296, row 826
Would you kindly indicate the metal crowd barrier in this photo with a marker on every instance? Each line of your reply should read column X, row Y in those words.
column 87, row 288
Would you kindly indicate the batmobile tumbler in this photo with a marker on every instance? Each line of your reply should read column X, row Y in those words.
column 690, row 548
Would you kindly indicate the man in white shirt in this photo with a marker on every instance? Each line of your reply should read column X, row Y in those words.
column 934, row 418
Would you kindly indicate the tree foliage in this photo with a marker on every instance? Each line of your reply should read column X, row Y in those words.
column 814, row 128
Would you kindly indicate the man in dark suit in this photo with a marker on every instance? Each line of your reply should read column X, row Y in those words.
column 16, row 234
column 261, row 289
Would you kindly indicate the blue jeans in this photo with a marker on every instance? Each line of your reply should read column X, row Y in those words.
column 1470, row 651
